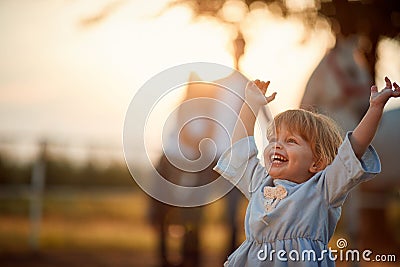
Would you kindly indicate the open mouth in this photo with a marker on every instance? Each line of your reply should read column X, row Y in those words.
column 278, row 159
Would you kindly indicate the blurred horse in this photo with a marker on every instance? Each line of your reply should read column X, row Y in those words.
column 340, row 88
column 207, row 112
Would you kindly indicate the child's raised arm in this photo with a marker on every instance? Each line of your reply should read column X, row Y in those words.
column 254, row 99
column 366, row 129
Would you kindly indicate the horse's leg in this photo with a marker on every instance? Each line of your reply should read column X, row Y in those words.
column 191, row 242
column 158, row 215
column 163, row 232
column 192, row 219
column 233, row 199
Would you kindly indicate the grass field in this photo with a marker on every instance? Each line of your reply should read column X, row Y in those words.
column 105, row 222
column 102, row 228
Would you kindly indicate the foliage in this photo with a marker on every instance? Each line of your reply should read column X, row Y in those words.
column 371, row 19
column 62, row 171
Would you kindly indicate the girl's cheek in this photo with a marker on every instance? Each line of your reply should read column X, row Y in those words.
column 266, row 151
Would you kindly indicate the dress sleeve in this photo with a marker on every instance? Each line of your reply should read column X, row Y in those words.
column 240, row 165
column 347, row 171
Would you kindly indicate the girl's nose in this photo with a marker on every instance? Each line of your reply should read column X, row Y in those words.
column 277, row 144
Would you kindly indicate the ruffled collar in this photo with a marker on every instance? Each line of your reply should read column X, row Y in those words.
column 284, row 183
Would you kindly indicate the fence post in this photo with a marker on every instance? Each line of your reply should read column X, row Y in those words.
column 36, row 197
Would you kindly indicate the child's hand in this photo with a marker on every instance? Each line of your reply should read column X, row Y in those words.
column 379, row 99
column 255, row 93
column 365, row 131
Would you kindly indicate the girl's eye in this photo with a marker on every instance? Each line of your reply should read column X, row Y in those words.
column 291, row 140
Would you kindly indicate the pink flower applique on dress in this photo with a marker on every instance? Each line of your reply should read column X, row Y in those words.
column 273, row 195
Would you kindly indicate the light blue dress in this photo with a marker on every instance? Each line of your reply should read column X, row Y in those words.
column 297, row 230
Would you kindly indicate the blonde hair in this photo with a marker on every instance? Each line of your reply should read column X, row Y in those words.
column 320, row 131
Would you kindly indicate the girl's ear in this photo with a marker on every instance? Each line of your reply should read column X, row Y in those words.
column 317, row 165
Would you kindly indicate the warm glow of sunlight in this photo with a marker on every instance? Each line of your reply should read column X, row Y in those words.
column 277, row 51
column 388, row 52
column 69, row 69
column 234, row 11
column 299, row 5
column 96, row 64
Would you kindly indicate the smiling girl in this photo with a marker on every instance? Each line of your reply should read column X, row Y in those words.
column 295, row 200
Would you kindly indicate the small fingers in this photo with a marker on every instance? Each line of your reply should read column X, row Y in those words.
column 265, row 86
column 262, row 85
column 388, row 83
column 396, row 86
column 271, row 97
column 374, row 89
column 258, row 83
column 396, row 91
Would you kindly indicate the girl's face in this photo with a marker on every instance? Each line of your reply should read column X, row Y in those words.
column 289, row 157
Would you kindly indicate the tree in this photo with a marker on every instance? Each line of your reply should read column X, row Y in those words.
column 372, row 19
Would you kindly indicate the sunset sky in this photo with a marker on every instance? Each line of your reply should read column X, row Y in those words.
column 72, row 82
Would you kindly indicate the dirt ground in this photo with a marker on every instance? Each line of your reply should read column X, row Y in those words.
column 113, row 258
column 90, row 258
column 102, row 230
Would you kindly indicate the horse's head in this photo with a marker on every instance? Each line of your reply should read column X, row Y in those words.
column 340, row 84
column 350, row 68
